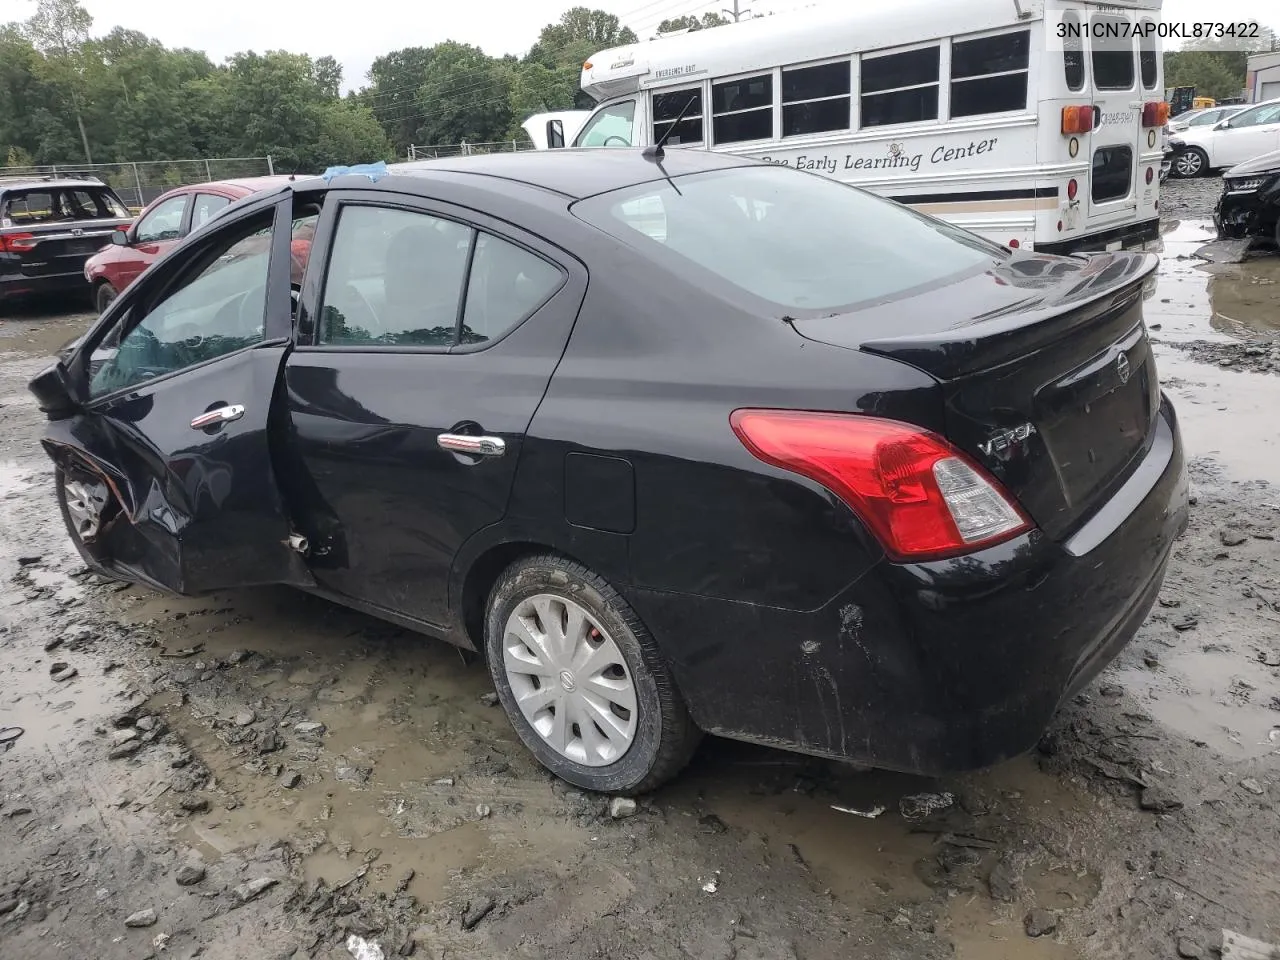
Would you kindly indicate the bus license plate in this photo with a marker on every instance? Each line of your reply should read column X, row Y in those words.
column 1114, row 245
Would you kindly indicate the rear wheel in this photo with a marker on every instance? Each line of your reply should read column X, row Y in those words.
column 103, row 296
column 1191, row 162
column 582, row 680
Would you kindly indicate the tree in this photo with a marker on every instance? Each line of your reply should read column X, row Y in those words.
column 465, row 95
column 395, row 80
column 691, row 23
column 327, row 73
column 1216, row 68
column 578, row 34
column 59, row 29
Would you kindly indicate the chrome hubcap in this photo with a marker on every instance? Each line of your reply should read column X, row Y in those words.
column 570, row 680
column 1189, row 164
column 85, row 503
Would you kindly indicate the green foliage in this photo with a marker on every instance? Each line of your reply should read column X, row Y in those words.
column 68, row 96
column 1214, row 71
column 691, row 23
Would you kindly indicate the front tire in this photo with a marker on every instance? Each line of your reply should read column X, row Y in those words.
column 1191, row 162
column 104, row 296
column 582, row 681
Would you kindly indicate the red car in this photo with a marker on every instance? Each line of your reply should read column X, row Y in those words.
column 167, row 220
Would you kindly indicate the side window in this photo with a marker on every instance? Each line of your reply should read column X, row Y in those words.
column 816, row 99
column 29, row 206
column 395, row 278
column 206, row 205
column 614, row 126
column 507, row 285
column 1256, row 118
column 216, row 309
column 742, row 109
column 1148, row 57
column 1112, row 43
column 989, row 74
column 668, row 106
column 1073, row 51
column 164, row 222
column 900, row 87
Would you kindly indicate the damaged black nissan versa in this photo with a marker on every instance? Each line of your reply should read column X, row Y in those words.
column 682, row 444
column 1250, row 203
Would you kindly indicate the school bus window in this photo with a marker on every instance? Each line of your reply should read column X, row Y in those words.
column 989, row 74
column 668, row 106
column 816, row 99
column 1073, row 52
column 900, row 87
column 1147, row 56
column 743, row 109
column 1112, row 57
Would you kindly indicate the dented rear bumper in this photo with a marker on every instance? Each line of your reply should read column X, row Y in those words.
column 941, row 667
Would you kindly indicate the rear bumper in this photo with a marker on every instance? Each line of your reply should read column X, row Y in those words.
column 1130, row 235
column 16, row 285
column 941, row 667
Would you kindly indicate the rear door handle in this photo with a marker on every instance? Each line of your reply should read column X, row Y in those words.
column 476, row 446
column 218, row 415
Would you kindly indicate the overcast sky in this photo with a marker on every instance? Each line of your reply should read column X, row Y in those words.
column 356, row 32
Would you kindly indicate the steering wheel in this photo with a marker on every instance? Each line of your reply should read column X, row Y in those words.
column 622, row 141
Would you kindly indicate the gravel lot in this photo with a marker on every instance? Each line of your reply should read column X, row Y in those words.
column 263, row 774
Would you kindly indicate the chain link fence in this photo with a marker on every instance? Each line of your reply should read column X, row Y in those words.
column 446, row 150
column 138, row 183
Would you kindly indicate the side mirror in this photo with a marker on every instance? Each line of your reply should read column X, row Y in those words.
column 52, row 390
column 120, row 238
column 555, row 134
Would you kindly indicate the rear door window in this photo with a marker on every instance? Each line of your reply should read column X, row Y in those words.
column 206, row 205
column 1112, row 42
column 1148, row 56
column 507, row 285
column 1112, row 173
column 1072, row 51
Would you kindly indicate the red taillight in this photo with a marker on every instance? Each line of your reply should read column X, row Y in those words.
column 919, row 496
column 1150, row 174
column 1155, row 114
column 16, row 242
column 1077, row 119
column 1072, row 189
column 1015, row 243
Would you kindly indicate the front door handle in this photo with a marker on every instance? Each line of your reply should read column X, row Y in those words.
column 218, row 415
column 476, row 446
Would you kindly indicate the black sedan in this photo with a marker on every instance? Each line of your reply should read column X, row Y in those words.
column 681, row 444
column 1250, row 203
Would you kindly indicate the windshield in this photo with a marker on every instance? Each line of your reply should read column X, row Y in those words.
column 800, row 242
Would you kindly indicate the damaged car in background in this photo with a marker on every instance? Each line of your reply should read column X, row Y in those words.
column 682, row 445
column 1249, row 207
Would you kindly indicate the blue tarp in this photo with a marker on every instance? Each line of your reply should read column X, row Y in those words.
column 373, row 171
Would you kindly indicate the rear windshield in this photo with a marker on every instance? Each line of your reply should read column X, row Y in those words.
column 798, row 241
column 56, row 204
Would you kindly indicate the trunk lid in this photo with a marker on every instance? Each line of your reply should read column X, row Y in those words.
column 1045, row 368
column 61, row 248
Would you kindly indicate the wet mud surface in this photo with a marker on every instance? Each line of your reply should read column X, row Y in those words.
column 263, row 774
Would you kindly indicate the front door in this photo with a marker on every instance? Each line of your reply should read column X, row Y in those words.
column 1115, row 142
column 165, row 465
column 424, row 355
column 154, row 234
column 1248, row 134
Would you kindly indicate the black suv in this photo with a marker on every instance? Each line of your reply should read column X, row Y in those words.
column 49, row 227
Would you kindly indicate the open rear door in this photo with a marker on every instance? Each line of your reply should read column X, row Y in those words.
column 1112, row 192
column 165, row 459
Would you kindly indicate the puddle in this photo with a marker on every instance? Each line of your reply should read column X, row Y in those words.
column 1195, row 300
column 1219, row 412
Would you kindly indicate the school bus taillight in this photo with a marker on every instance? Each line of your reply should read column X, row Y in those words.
column 1155, row 114
column 1077, row 119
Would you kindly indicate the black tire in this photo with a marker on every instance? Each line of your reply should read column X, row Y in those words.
column 1190, row 163
column 665, row 737
column 103, row 295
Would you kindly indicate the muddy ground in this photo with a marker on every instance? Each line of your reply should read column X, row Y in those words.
column 288, row 775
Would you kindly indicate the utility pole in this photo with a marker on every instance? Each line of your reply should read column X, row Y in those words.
column 737, row 12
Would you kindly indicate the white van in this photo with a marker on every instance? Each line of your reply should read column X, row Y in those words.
column 1036, row 123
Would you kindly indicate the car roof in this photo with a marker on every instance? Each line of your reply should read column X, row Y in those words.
column 47, row 183
column 572, row 173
